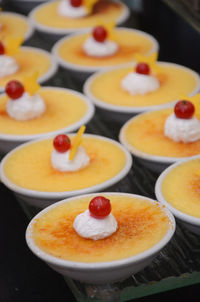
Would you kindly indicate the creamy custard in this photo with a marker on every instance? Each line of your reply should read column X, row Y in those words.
column 30, row 167
column 141, row 225
column 29, row 61
column 146, row 133
column 62, row 110
column 13, row 25
column 107, row 11
column 181, row 187
column 129, row 43
column 174, row 81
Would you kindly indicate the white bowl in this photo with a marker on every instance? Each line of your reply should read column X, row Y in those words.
column 80, row 72
column 101, row 272
column 49, row 73
column 53, row 34
column 190, row 222
column 123, row 113
column 41, row 199
column 25, row 6
column 30, row 29
column 9, row 141
column 154, row 163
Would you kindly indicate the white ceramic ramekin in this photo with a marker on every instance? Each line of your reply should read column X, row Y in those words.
column 30, row 29
column 190, row 222
column 152, row 162
column 41, row 199
column 9, row 141
column 81, row 73
column 49, row 73
column 101, row 272
column 123, row 113
column 54, row 34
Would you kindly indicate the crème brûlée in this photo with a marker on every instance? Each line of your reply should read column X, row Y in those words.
column 29, row 60
column 174, row 81
column 181, row 187
column 141, row 225
column 145, row 133
column 129, row 43
column 47, row 15
column 63, row 109
column 30, row 166
column 13, row 25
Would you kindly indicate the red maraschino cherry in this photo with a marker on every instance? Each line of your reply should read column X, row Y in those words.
column 76, row 3
column 62, row 143
column 184, row 109
column 99, row 34
column 2, row 48
column 143, row 68
column 99, row 207
column 14, row 89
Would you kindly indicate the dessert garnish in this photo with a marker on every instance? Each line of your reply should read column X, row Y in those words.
column 76, row 8
column 184, row 109
column 8, row 64
column 100, row 43
column 182, row 125
column 142, row 79
column 2, row 48
column 24, row 103
column 97, row 222
column 62, row 143
column 67, row 156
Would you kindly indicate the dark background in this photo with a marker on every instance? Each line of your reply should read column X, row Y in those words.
column 23, row 277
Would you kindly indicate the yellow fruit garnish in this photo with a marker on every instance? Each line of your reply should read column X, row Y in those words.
column 30, row 83
column 77, row 142
column 12, row 45
column 89, row 4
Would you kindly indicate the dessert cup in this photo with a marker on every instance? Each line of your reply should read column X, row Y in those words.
column 143, row 135
column 81, row 66
column 56, row 27
column 56, row 112
column 30, row 60
column 108, row 271
column 119, row 105
column 53, row 192
column 190, row 220
column 15, row 25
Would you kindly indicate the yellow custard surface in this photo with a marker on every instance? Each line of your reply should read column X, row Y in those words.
column 62, row 110
column 13, row 25
column 29, row 60
column 181, row 187
column 48, row 15
column 174, row 81
column 129, row 42
column 141, row 225
column 30, row 166
column 146, row 133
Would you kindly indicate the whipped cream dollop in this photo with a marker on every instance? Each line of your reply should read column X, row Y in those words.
column 136, row 83
column 182, row 130
column 8, row 65
column 99, row 49
column 67, row 10
column 26, row 107
column 89, row 227
column 60, row 161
